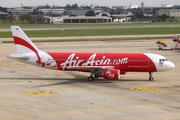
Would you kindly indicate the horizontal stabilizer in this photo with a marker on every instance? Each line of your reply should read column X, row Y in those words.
column 18, row 56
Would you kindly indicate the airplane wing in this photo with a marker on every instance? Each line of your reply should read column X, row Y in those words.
column 91, row 68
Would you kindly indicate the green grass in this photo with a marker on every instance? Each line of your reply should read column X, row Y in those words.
column 91, row 32
column 96, row 32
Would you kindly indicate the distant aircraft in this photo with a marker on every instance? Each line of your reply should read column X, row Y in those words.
column 107, row 65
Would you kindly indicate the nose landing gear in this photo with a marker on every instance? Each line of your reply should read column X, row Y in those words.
column 150, row 76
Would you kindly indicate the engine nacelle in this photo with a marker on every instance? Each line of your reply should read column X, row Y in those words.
column 113, row 74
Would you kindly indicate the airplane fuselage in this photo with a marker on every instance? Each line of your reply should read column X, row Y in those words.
column 126, row 62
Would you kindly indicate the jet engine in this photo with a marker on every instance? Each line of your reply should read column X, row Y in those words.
column 113, row 74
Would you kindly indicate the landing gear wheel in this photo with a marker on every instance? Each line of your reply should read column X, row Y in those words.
column 151, row 78
column 90, row 79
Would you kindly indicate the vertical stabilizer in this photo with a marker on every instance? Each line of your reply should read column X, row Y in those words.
column 22, row 42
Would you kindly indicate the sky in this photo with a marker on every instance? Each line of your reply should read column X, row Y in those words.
column 17, row 3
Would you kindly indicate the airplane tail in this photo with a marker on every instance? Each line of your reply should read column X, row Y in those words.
column 22, row 41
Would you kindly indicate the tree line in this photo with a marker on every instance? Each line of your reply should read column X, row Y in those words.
column 153, row 18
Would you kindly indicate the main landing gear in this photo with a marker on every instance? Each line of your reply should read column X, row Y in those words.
column 150, row 76
column 91, row 78
column 94, row 74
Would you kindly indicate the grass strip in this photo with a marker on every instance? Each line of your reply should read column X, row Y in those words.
column 96, row 32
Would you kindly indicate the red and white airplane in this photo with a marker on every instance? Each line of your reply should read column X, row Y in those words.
column 107, row 65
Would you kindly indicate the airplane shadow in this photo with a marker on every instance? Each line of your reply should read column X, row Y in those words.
column 64, row 81
column 76, row 78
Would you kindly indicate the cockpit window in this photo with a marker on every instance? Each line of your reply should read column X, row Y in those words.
column 162, row 60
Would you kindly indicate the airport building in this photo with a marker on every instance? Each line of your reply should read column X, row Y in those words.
column 87, row 19
column 20, row 10
column 3, row 14
column 83, row 19
column 169, row 12
column 133, row 6
column 122, row 17
column 77, row 12
column 168, row 5
column 52, row 11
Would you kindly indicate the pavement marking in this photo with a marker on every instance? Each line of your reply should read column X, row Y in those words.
column 41, row 92
column 144, row 89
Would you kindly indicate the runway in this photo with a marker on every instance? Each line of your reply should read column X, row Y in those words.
column 30, row 92
column 95, row 37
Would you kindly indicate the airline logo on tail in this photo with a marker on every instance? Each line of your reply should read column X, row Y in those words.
column 24, row 44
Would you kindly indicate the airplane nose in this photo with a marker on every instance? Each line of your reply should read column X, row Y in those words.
column 171, row 65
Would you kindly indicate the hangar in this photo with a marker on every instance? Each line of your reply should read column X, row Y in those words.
column 84, row 19
column 169, row 12
column 3, row 14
